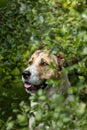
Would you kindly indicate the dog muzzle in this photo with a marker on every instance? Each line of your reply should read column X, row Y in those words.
column 30, row 87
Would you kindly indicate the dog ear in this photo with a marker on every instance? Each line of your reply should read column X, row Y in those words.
column 61, row 59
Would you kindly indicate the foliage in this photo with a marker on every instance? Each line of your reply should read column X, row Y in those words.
column 58, row 25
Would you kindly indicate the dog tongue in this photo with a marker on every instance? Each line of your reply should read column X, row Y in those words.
column 27, row 85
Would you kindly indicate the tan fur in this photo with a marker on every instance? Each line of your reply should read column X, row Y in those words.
column 46, row 57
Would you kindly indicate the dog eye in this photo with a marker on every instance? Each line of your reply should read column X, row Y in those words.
column 43, row 63
column 30, row 62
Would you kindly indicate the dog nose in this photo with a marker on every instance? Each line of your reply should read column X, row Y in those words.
column 26, row 74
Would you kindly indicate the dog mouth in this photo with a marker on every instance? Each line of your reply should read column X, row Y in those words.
column 27, row 85
column 30, row 87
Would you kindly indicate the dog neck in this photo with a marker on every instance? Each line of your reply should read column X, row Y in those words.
column 62, row 88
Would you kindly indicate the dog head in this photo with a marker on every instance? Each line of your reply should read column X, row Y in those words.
column 39, row 69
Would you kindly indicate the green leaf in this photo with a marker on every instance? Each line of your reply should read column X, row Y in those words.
column 22, row 119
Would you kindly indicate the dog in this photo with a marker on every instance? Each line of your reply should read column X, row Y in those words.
column 40, row 70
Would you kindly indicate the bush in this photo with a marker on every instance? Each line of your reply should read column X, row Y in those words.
column 44, row 24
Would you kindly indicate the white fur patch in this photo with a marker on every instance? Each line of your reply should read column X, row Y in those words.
column 34, row 77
